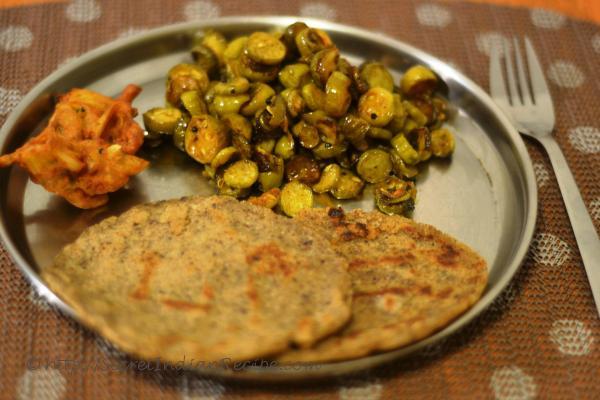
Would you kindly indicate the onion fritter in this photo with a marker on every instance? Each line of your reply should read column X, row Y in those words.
column 86, row 151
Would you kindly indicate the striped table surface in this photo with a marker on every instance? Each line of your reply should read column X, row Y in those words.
column 539, row 339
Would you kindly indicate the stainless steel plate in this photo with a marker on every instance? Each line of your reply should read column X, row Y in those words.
column 486, row 196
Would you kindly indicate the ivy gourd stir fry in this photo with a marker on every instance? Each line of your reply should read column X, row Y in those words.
column 280, row 117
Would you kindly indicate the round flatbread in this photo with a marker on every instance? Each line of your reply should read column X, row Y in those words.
column 204, row 279
column 409, row 280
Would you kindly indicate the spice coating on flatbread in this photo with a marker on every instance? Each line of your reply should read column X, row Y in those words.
column 409, row 280
column 204, row 279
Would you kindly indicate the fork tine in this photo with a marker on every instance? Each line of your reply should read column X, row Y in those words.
column 541, row 93
column 497, row 85
column 510, row 76
column 524, row 85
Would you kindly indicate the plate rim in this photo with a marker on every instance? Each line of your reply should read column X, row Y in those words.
column 327, row 369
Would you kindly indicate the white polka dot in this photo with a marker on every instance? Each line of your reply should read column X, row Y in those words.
column 511, row 383
column 596, row 42
column 9, row 98
column 487, row 41
column 541, row 173
column 202, row 9
column 549, row 250
column 39, row 301
column 83, row 11
column 565, row 74
column 585, row 139
column 15, row 38
column 131, row 31
column 361, row 389
column 572, row 337
column 195, row 388
column 433, row 15
column 595, row 209
column 41, row 384
column 547, row 19
column 318, row 10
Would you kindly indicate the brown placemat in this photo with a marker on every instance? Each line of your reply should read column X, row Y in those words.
column 539, row 339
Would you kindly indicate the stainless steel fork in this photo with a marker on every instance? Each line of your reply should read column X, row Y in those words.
column 525, row 98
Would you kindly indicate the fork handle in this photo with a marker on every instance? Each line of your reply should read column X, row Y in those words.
column 583, row 227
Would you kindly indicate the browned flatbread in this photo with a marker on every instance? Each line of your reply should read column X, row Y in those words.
column 204, row 279
column 409, row 280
